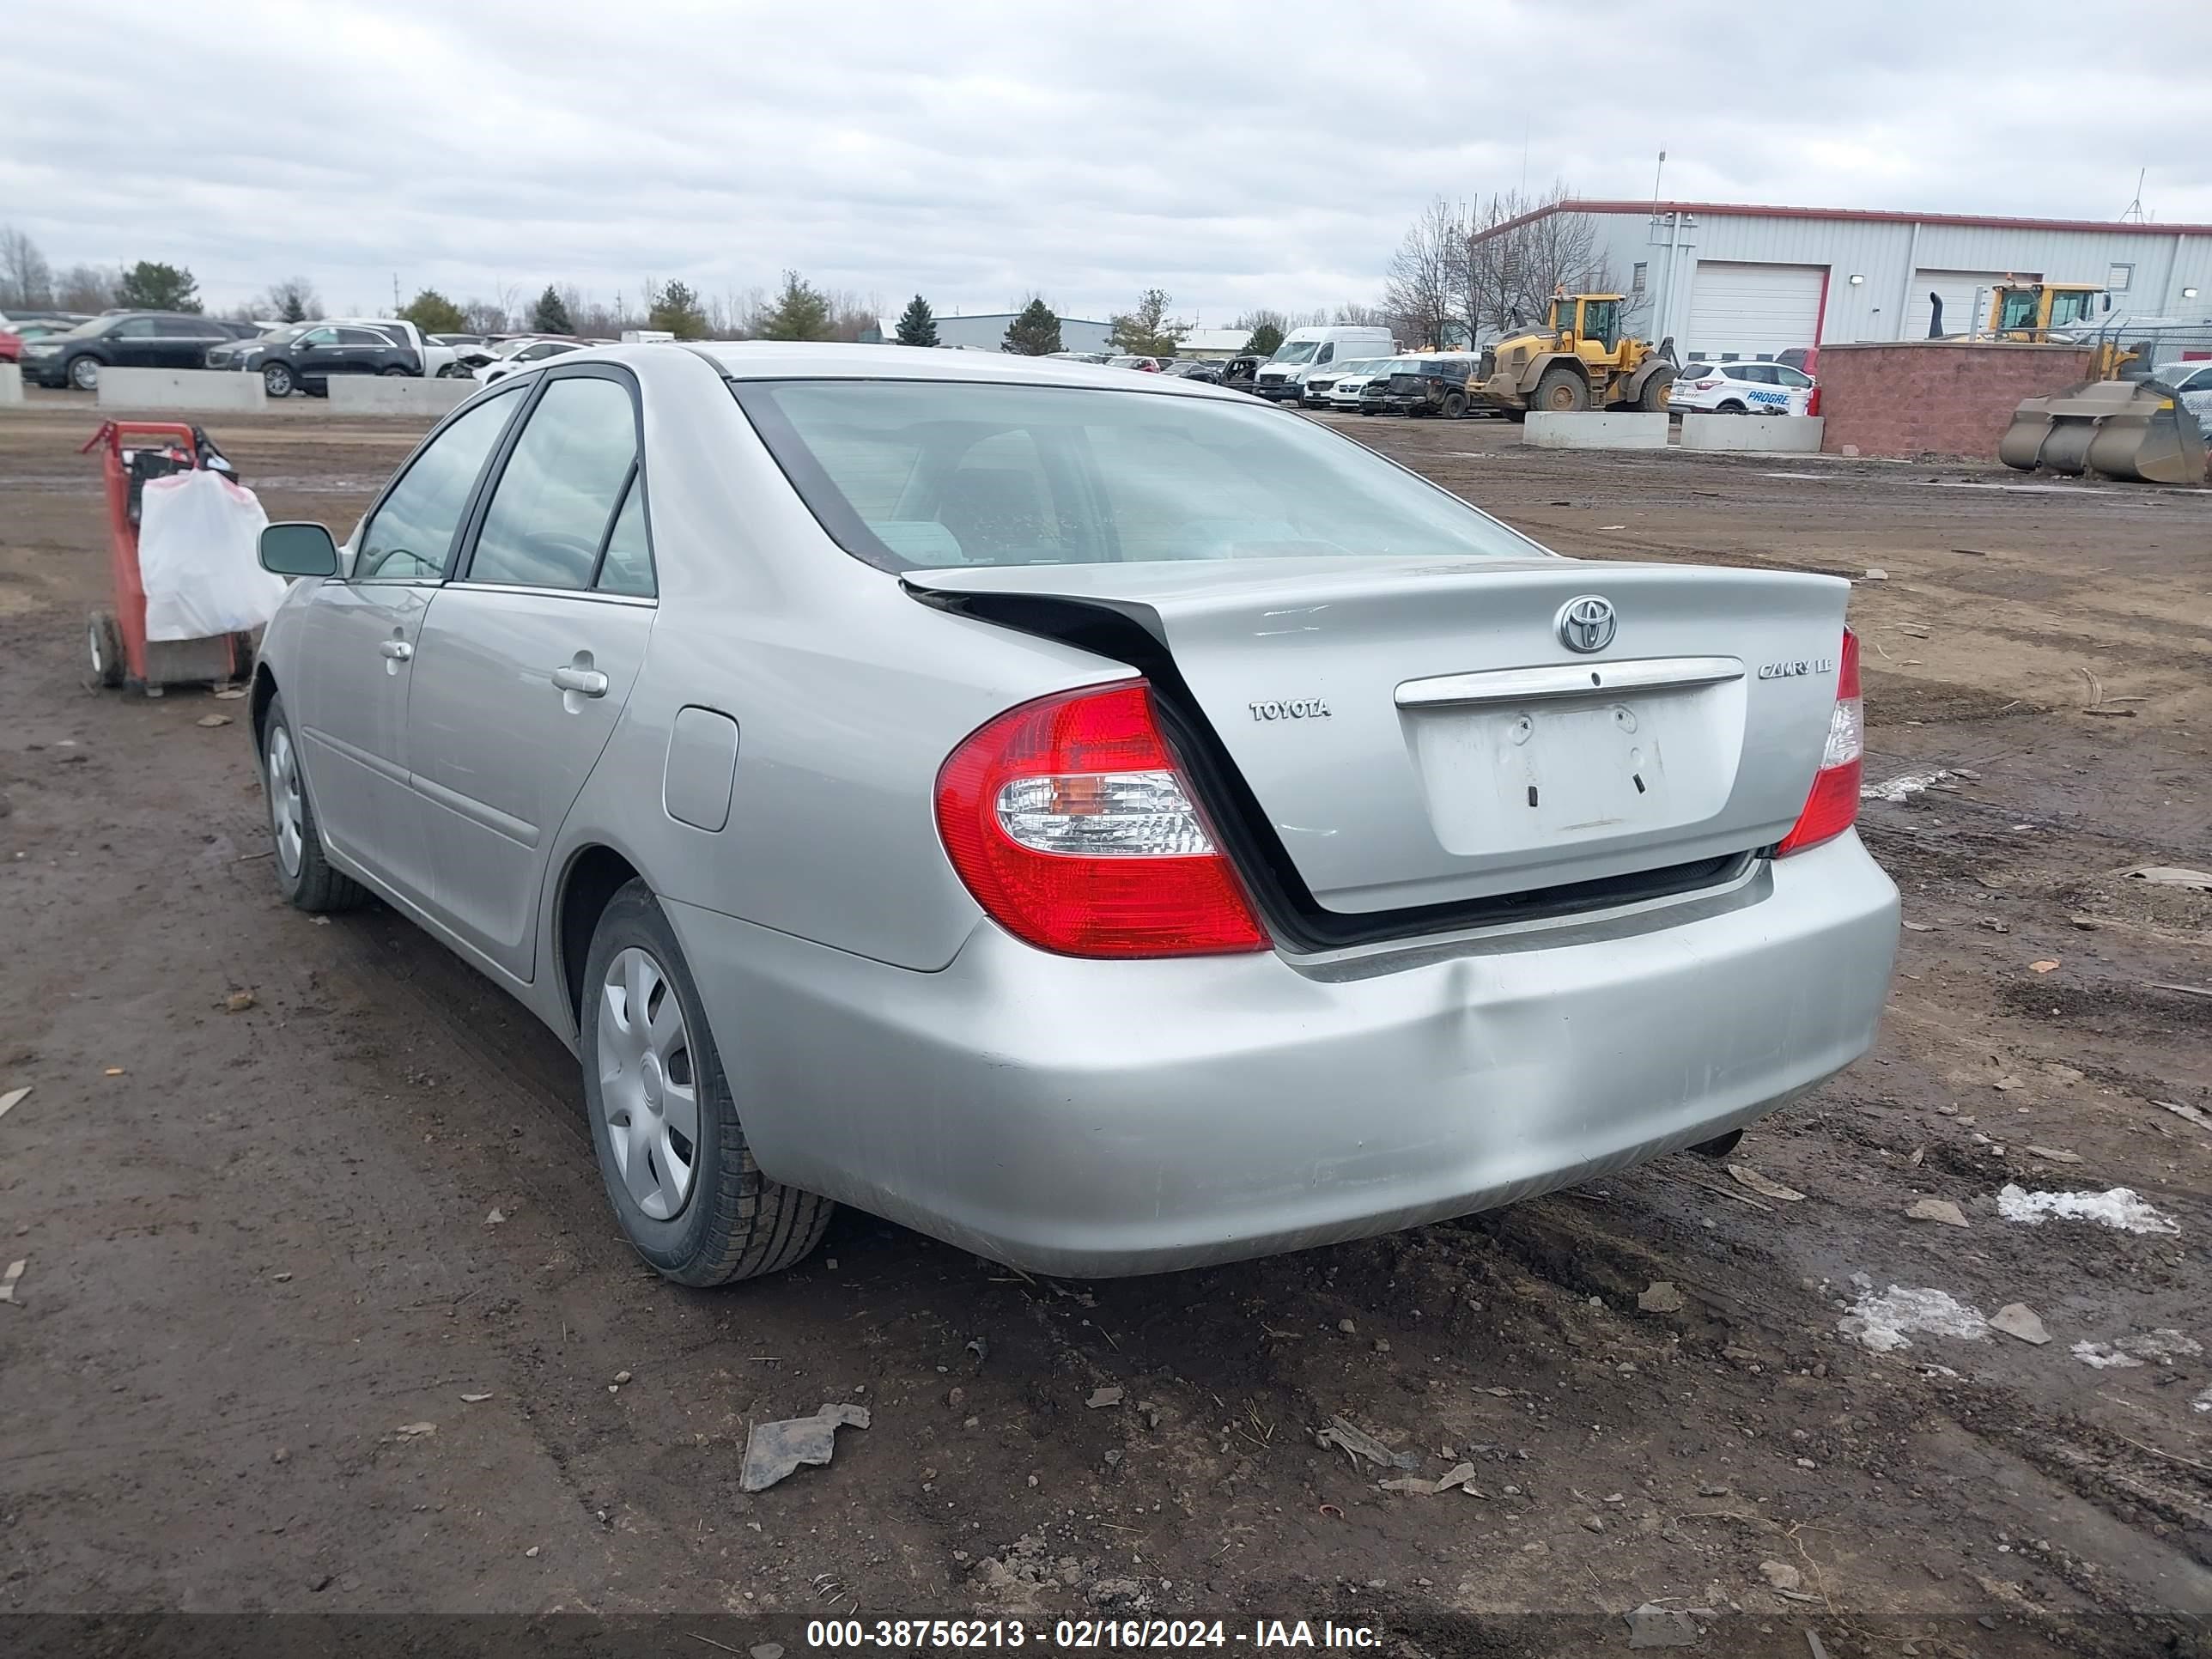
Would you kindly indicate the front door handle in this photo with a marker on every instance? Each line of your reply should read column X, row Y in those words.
column 397, row 650
column 585, row 682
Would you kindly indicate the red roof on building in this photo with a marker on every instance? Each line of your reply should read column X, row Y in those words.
column 1986, row 221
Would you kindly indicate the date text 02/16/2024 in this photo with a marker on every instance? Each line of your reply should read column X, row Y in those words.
column 1087, row 1635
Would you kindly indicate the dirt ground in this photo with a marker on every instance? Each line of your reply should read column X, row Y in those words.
column 260, row 1245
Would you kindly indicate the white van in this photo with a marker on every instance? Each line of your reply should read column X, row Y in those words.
column 1282, row 377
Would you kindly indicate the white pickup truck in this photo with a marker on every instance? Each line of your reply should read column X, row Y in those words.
column 439, row 361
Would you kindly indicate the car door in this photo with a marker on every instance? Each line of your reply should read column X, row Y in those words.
column 189, row 338
column 135, row 342
column 527, row 657
column 361, row 351
column 314, row 354
column 348, row 693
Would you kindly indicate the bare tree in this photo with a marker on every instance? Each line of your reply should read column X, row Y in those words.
column 25, row 279
column 1419, row 291
column 85, row 287
column 1519, row 251
column 291, row 300
column 486, row 316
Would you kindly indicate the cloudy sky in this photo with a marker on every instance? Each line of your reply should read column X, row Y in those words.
column 1236, row 155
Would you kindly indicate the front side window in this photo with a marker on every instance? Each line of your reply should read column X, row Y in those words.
column 135, row 328
column 2018, row 309
column 410, row 534
column 912, row 475
column 549, row 511
column 317, row 336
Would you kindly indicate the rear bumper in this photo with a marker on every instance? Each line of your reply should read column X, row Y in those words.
column 1094, row 1118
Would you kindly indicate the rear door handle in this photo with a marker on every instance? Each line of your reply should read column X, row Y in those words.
column 585, row 682
column 397, row 650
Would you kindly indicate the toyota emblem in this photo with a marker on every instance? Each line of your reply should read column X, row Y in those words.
column 1587, row 623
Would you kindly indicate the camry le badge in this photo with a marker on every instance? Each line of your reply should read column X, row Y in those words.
column 1791, row 670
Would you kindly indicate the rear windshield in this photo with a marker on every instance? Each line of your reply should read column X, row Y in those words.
column 931, row 475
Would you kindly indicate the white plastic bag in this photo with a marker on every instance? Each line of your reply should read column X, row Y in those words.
column 199, row 557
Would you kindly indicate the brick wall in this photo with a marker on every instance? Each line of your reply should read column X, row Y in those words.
column 1953, row 398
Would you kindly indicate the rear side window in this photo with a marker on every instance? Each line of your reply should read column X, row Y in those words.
column 412, row 530
column 362, row 336
column 551, row 510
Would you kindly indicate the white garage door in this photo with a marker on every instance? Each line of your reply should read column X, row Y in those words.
column 1752, row 311
column 1958, row 289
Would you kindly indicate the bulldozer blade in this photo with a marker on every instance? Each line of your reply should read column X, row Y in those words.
column 2155, row 441
column 2021, row 446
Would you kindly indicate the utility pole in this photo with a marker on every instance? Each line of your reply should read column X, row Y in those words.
column 395, row 294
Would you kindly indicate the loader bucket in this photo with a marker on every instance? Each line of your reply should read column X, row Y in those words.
column 2022, row 444
column 2155, row 441
column 2128, row 429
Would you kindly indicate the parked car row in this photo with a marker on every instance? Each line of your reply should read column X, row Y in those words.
column 125, row 339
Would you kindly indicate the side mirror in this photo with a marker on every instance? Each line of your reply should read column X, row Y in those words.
column 299, row 549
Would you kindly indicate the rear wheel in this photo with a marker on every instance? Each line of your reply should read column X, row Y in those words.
column 1731, row 407
column 303, row 874
column 1455, row 404
column 1561, row 391
column 671, row 1152
column 395, row 369
column 84, row 374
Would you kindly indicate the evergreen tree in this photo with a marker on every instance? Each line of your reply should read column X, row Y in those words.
column 1035, row 333
column 1265, row 339
column 676, row 308
column 550, row 315
column 1146, row 331
column 151, row 285
column 434, row 313
column 917, row 324
column 801, row 312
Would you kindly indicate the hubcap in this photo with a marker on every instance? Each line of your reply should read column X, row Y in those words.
column 86, row 374
column 288, row 814
column 646, row 1083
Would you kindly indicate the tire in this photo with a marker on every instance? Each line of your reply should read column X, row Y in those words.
column 1731, row 407
column 719, row 1219
column 1657, row 393
column 277, row 380
column 103, row 651
column 83, row 373
column 303, row 875
column 1561, row 391
column 394, row 370
column 1455, row 404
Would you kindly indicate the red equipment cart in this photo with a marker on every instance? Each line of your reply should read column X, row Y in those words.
column 115, row 638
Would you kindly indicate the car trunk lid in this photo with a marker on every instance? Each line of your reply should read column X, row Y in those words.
column 1418, row 732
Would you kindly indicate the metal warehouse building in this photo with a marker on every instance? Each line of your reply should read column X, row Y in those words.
column 1732, row 280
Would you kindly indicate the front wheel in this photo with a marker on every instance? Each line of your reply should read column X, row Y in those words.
column 303, row 875
column 671, row 1152
column 395, row 369
column 1455, row 404
column 277, row 380
column 1656, row 394
column 84, row 374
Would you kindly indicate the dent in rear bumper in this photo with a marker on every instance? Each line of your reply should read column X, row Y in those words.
column 1096, row 1118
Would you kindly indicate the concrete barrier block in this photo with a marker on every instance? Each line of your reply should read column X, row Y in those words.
column 11, row 384
column 180, row 389
column 1756, row 434
column 1594, row 430
column 396, row 394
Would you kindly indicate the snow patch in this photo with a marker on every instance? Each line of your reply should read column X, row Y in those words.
column 2202, row 1402
column 1881, row 1321
column 2121, row 1208
column 2161, row 1345
column 1904, row 787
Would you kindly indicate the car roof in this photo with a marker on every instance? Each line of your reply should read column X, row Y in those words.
column 781, row 360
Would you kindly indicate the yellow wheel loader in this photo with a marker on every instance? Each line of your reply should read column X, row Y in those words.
column 1579, row 362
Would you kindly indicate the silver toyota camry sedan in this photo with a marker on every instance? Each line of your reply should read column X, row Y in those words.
column 1099, row 820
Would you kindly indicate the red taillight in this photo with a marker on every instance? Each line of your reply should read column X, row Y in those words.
column 1833, row 805
column 1071, row 825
